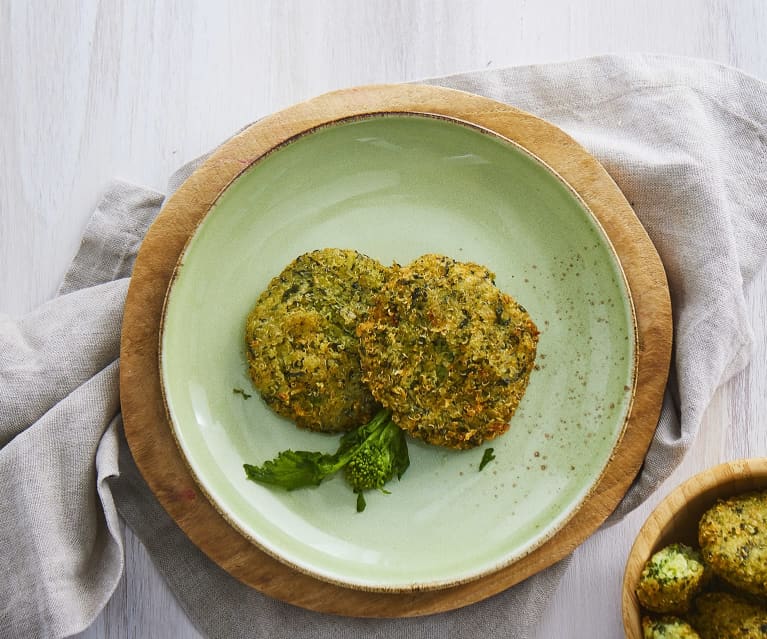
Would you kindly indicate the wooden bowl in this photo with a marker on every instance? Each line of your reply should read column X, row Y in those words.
column 676, row 519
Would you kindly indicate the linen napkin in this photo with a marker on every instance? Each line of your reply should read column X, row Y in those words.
column 686, row 141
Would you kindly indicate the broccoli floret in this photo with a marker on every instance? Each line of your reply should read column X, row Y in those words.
column 379, row 453
column 368, row 469
column 370, row 456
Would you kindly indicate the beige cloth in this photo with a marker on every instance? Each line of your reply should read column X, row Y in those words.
column 685, row 140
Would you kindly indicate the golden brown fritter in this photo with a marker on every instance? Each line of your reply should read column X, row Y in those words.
column 717, row 615
column 667, row 628
column 301, row 339
column 447, row 351
column 733, row 539
column 671, row 578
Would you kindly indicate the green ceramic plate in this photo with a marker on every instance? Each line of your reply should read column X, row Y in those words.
column 395, row 187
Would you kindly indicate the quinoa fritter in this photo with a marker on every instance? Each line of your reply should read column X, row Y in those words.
column 671, row 578
column 301, row 343
column 733, row 539
column 718, row 615
column 447, row 352
column 667, row 628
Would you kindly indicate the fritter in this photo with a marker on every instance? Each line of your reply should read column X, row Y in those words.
column 671, row 578
column 447, row 352
column 667, row 628
column 717, row 615
column 302, row 347
column 733, row 539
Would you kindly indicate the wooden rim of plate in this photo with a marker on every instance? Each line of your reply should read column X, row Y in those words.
column 150, row 436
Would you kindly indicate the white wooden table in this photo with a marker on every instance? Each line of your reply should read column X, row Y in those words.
column 93, row 90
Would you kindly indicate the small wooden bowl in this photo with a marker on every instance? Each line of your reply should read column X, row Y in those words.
column 676, row 519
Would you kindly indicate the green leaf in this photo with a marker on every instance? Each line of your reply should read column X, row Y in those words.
column 352, row 440
column 293, row 469
column 487, row 458
column 361, row 502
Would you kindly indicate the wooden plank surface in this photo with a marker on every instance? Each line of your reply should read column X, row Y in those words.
column 94, row 90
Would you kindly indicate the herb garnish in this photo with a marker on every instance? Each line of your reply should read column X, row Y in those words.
column 370, row 456
column 487, row 457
